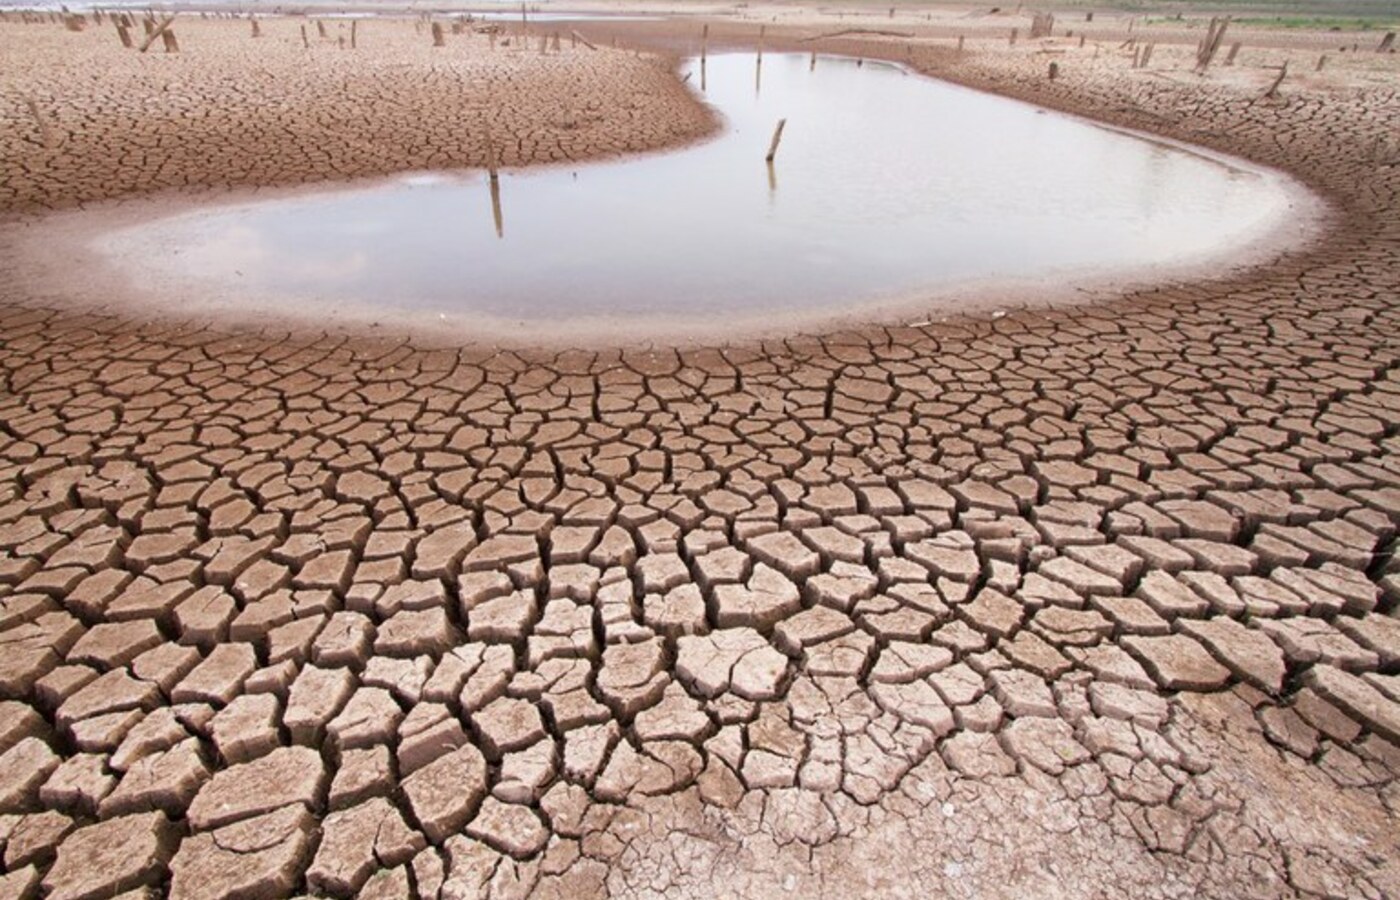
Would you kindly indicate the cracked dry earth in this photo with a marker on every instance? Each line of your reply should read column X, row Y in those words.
column 1080, row 602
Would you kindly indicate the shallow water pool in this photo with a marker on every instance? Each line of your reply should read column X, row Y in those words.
column 887, row 188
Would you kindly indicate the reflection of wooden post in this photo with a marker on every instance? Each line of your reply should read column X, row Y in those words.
column 777, row 138
column 437, row 35
column 495, row 180
column 772, row 178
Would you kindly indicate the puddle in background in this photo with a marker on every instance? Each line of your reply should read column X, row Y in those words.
column 886, row 184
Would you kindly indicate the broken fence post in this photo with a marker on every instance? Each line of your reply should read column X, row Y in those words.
column 777, row 139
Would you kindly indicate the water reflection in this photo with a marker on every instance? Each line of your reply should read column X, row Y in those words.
column 889, row 184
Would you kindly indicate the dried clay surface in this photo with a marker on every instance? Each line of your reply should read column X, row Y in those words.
column 1084, row 602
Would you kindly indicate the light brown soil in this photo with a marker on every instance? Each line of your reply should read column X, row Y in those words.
column 231, row 110
column 1084, row 602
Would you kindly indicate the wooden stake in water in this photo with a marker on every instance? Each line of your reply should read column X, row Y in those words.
column 777, row 139
column 497, row 217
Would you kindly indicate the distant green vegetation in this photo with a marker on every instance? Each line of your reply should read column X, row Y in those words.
column 1314, row 23
column 1288, row 13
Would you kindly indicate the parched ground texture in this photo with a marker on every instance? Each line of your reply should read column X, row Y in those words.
column 1082, row 602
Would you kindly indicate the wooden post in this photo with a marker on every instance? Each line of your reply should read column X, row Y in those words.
column 304, row 42
column 168, row 38
column 583, row 40
column 1387, row 42
column 761, row 30
column 354, row 26
column 1013, row 36
column 704, row 41
column 320, row 28
column 961, row 39
column 491, row 156
column 1273, row 88
column 437, row 35
column 1321, row 61
column 496, row 214
column 1211, row 45
column 812, row 66
column 123, row 35
column 1147, row 54
column 1081, row 39
column 554, row 45
column 45, row 133
column 1054, row 70
column 154, row 32
column 1234, row 51
column 777, row 138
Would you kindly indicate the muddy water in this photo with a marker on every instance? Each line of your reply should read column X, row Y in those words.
column 887, row 188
